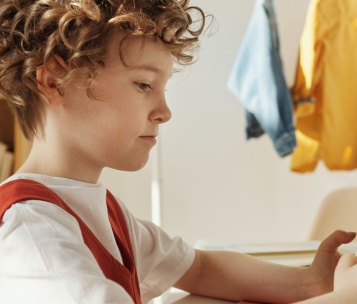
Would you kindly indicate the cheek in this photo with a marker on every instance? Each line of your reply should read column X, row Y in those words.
column 128, row 117
column 80, row 108
column 117, row 130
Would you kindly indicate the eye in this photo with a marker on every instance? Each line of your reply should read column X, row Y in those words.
column 143, row 86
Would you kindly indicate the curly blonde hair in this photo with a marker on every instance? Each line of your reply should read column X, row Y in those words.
column 33, row 31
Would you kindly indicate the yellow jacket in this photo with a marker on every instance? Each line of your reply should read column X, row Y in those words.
column 325, row 89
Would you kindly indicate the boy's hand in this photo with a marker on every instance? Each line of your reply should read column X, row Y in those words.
column 321, row 271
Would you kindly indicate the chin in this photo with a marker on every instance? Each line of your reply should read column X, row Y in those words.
column 132, row 167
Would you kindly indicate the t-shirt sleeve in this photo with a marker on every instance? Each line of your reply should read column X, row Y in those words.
column 45, row 260
column 161, row 260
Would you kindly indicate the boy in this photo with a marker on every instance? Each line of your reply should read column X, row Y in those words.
column 86, row 80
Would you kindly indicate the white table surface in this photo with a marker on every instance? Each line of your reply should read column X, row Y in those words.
column 180, row 297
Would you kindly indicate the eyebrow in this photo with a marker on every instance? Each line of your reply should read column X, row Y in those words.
column 150, row 68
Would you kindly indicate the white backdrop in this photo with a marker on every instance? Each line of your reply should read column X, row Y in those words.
column 214, row 183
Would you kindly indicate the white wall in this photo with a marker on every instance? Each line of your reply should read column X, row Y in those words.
column 214, row 183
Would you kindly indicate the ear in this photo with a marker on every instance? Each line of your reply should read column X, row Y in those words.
column 47, row 79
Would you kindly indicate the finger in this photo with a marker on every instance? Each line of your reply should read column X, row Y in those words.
column 350, row 236
column 336, row 239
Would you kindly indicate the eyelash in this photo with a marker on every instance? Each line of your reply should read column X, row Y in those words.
column 143, row 86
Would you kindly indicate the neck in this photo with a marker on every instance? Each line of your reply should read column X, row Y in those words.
column 59, row 160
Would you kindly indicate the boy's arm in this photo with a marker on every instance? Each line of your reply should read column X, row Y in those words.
column 234, row 276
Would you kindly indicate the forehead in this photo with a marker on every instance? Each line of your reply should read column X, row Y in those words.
column 138, row 52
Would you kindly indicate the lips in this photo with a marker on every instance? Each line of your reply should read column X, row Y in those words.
column 149, row 138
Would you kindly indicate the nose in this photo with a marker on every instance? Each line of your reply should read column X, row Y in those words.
column 161, row 113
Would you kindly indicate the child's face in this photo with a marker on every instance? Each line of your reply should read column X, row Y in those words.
column 119, row 127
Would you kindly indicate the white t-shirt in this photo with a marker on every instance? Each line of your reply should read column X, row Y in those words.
column 43, row 258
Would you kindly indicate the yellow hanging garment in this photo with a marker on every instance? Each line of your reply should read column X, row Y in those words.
column 325, row 89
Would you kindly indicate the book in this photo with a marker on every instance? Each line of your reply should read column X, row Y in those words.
column 6, row 162
column 3, row 149
column 284, row 253
column 261, row 248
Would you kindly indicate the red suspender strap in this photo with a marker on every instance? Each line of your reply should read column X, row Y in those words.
column 23, row 189
column 121, row 233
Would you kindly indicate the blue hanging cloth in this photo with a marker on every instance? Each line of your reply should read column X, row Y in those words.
column 258, row 82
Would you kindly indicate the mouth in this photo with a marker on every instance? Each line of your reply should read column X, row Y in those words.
column 149, row 138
